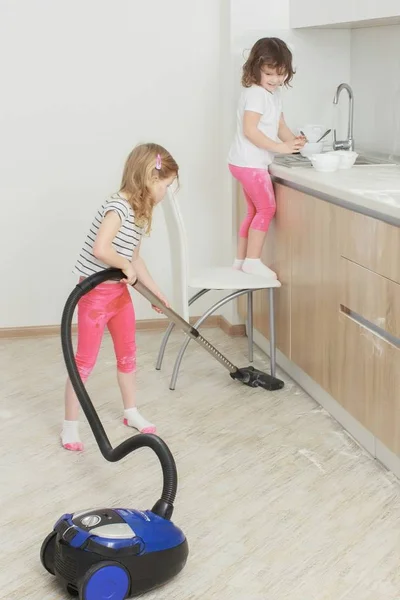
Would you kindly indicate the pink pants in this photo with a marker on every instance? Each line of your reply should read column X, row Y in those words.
column 259, row 193
column 107, row 304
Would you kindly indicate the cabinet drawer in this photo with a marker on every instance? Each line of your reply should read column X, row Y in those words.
column 372, row 297
column 369, row 381
column 371, row 243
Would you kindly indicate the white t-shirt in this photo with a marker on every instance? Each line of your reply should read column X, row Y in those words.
column 124, row 243
column 244, row 153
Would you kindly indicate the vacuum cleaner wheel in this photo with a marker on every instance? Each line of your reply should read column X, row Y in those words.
column 47, row 552
column 105, row 581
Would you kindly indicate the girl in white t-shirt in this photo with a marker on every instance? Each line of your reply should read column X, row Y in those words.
column 261, row 132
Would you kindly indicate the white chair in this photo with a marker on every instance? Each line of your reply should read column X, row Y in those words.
column 205, row 280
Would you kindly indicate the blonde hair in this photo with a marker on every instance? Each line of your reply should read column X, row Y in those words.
column 145, row 163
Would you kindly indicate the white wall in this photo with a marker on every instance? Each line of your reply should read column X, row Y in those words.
column 375, row 78
column 82, row 83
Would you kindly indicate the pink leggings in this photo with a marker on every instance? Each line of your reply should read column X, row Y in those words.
column 259, row 193
column 107, row 304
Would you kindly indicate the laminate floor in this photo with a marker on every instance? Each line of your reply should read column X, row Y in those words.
column 276, row 500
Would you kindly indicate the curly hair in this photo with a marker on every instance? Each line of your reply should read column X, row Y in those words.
column 271, row 52
column 139, row 171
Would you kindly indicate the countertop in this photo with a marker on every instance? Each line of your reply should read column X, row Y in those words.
column 373, row 190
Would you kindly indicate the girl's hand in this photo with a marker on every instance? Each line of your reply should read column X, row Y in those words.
column 302, row 140
column 291, row 146
column 130, row 273
column 163, row 300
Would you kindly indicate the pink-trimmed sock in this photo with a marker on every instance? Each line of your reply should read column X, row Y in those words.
column 70, row 436
column 132, row 418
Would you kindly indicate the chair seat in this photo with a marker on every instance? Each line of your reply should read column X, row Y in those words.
column 228, row 278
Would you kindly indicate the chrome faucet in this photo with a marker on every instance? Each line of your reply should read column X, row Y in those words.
column 349, row 143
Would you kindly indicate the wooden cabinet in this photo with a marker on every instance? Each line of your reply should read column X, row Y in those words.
column 338, row 310
column 372, row 244
column 350, row 13
column 276, row 254
column 369, row 384
column 369, row 351
column 315, row 285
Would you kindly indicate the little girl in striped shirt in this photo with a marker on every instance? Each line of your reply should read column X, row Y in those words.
column 114, row 240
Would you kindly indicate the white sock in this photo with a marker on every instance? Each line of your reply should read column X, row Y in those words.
column 237, row 264
column 133, row 418
column 70, row 436
column 254, row 266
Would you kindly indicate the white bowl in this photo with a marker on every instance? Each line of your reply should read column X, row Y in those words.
column 347, row 158
column 325, row 163
column 311, row 148
column 313, row 132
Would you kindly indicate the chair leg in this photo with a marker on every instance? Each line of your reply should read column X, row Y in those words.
column 196, row 325
column 164, row 345
column 167, row 334
column 250, row 324
column 272, row 332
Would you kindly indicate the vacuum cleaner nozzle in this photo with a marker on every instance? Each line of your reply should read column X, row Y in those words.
column 255, row 378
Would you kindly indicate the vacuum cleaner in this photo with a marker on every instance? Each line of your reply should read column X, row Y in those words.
column 116, row 553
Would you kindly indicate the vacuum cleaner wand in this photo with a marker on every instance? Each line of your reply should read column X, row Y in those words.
column 248, row 375
column 184, row 326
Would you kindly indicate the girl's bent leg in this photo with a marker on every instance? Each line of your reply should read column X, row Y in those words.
column 122, row 327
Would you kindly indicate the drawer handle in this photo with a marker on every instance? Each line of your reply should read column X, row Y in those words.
column 392, row 339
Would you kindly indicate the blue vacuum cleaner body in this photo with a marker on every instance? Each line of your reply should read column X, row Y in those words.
column 113, row 553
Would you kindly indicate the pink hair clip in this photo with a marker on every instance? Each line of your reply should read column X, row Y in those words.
column 158, row 162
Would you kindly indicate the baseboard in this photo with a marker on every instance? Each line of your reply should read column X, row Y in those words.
column 141, row 325
column 357, row 431
column 31, row 332
column 232, row 330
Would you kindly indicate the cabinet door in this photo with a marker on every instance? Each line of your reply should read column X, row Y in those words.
column 315, row 287
column 369, row 384
column 372, row 244
column 320, row 13
column 369, row 349
column 276, row 255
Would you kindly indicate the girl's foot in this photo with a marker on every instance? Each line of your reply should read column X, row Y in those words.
column 237, row 264
column 254, row 266
column 70, row 439
column 132, row 418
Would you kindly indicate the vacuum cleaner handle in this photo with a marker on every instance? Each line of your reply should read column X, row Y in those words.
column 164, row 506
column 193, row 333
column 91, row 282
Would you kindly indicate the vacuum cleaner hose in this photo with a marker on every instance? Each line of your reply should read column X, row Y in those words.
column 164, row 506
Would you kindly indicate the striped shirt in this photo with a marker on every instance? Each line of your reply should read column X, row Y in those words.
column 124, row 243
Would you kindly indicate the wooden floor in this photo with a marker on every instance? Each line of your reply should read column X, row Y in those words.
column 277, row 502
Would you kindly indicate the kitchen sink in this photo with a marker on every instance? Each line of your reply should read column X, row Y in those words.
column 297, row 160
column 368, row 160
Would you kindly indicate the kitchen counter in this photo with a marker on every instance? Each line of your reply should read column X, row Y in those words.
column 372, row 190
